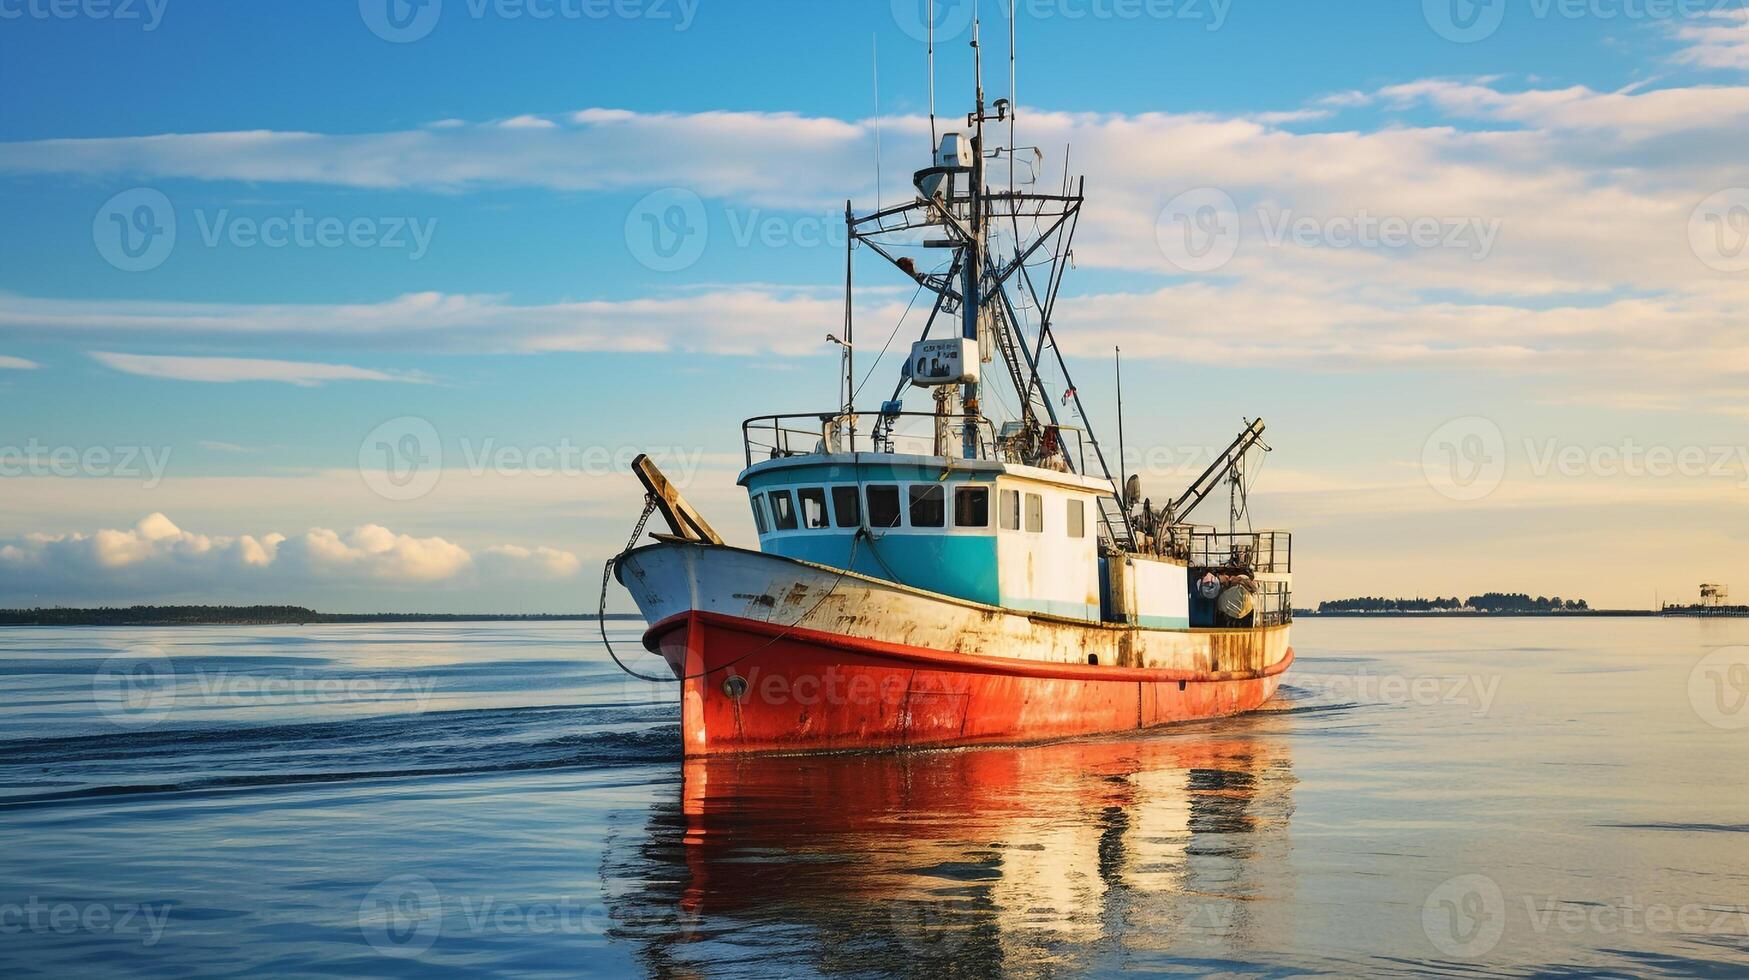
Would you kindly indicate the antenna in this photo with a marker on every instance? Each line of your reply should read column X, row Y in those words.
column 933, row 140
column 1012, row 95
column 849, row 328
column 1122, row 463
column 978, row 54
column 876, row 41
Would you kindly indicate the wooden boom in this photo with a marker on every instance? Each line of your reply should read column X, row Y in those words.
column 685, row 521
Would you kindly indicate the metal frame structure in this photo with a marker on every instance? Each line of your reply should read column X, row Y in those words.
column 956, row 204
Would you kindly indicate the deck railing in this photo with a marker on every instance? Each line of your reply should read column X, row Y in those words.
column 1275, row 604
column 905, row 433
column 1266, row 552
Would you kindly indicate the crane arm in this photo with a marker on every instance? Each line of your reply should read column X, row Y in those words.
column 1200, row 488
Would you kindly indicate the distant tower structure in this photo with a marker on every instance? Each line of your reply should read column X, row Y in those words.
column 1713, row 596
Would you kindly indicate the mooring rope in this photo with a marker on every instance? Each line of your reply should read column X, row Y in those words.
column 638, row 532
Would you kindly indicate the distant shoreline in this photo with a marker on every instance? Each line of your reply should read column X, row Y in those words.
column 1670, row 612
column 1470, row 614
column 152, row 616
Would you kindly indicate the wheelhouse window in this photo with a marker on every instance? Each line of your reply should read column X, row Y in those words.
column 1035, row 513
column 1077, row 518
column 971, row 507
column 813, row 505
column 783, row 511
column 928, row 505
column 883, row 506
column 1009, row 507
column 846, row 507
column 759, row 513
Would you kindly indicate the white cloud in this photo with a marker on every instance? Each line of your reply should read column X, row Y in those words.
column 374, row 552
column 528, row 122
column 1630, row 112
column 1346, row 100
column 155, row 557
column 780, row 158
column 17, row 364
column 1722, row 43
column 514, row 562
column 742, row 320
column 787, row 159
column 1671, row 343
column 224, row 370
column 1592, row 191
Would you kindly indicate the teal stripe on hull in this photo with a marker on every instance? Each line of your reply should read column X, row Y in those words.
column 1163, row 622
column 962, row 566
column 1050, row 607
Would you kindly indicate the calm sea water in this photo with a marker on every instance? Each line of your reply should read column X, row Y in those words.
column 1495, row 797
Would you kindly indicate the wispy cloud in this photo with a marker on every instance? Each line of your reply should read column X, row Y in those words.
column 723, row 321
column 528, row 122
column 1668, row 345
column 776, row 157
column 1720, row 42
column 17, row 364
column 1631, row 113
column 226, row 370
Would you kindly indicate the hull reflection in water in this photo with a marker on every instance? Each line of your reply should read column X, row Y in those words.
column 989, row 859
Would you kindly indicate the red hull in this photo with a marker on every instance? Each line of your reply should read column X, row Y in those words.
column 752, row 687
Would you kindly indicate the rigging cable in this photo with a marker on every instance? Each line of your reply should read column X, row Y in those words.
column 888, row 345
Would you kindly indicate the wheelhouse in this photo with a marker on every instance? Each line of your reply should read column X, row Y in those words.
column 984, row 531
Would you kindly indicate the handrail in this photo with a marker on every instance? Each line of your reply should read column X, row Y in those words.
column 1275, row 604
column 777, row 437
column 1267, row 552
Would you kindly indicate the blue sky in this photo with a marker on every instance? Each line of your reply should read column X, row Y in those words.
column 496, row 167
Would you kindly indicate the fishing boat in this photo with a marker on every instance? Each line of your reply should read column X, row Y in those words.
column 972, row 572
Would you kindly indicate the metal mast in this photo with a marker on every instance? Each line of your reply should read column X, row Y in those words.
column 955, row 210
column 970, row 304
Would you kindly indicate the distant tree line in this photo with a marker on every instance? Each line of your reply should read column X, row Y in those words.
column 1490, row 602
column 241, row 616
